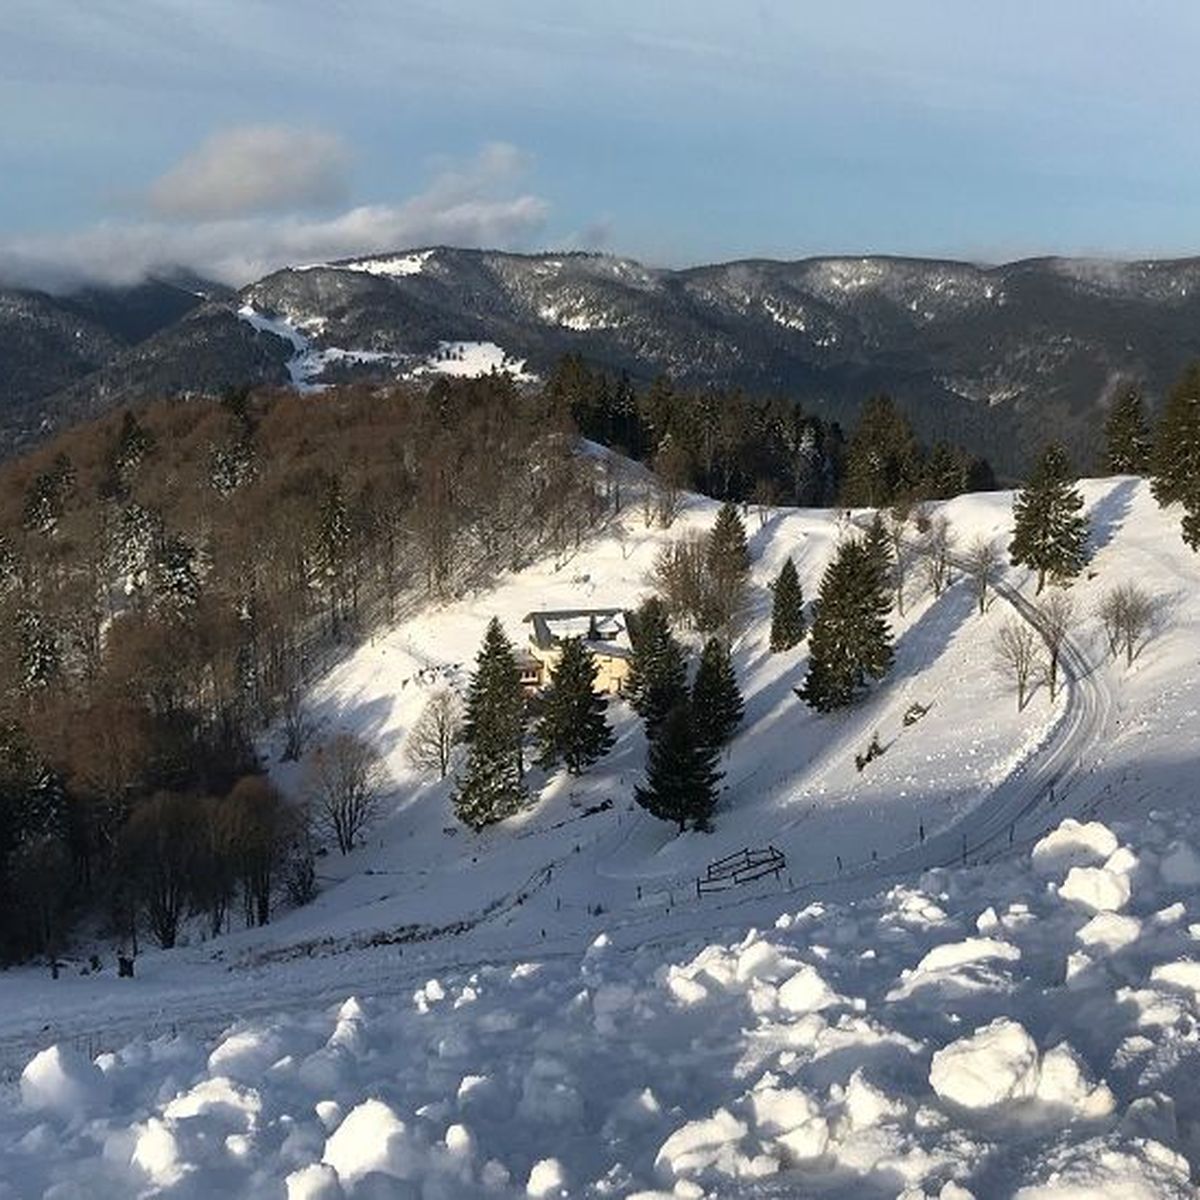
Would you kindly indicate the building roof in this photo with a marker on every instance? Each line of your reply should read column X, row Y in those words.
column 604, row 630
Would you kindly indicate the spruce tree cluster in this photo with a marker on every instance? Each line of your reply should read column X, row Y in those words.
column 1050, row 531
column 717, row 707
column 491, row 787
column 787, row 609
column 681, row 773
column 1127, row 441
column 1176, row 458
column 573, row 728
column 657, row 680
column 851, row 641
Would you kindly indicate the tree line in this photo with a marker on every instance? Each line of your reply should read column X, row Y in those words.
column 732, row 446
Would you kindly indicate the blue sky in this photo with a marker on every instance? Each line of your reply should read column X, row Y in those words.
column 234, row 136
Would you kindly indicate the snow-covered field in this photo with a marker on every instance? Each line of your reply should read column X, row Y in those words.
column 849, row 1048
column 307, row 363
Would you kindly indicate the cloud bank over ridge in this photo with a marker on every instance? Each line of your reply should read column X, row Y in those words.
column 252, row 199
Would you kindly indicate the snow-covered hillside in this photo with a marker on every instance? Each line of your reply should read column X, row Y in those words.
column 849, row 1049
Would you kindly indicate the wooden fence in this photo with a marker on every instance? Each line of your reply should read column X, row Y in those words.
column 741, row 867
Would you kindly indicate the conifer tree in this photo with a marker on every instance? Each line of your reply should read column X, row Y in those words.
column 176, row 576
column 944, row 474
column 850, row 642
column 1049, row 530
column 1176, row 459
column 883, row 460
column 1176, row 456
column 657, row 679
column 573, row 728
column 877, row 544
column 787, row 609
column 716, row 699
column 1127, row 440
column 681, row 774
column 727, row 558
column 134, row 443
column 493, row 729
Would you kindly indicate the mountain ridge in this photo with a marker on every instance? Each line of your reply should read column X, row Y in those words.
column 996, row 357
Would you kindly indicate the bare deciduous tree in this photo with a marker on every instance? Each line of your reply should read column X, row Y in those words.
column 1016, row 650
column 344, row 779
column 437, row 731
column 983, row 565
column 766, row 498
column 260, row 828
column 1127, row 613
column 897, row 523
column 681, row 577
column 298, row 723
column 1057, row 614
column 937, row 549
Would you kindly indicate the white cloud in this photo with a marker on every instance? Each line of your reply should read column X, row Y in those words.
column 254, row 169
column 474, row 203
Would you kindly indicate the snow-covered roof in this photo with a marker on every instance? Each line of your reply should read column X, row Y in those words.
column 604, row 629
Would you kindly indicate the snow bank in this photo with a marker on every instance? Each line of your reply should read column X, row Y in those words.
column 761, row 1064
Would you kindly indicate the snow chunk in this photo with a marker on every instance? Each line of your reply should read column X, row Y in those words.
column 807, row 992
column 998, row 1065
column 1062, row 1081
column 806, row 1142
column 698, row 1145
column 220, row 1097
column 1183, row 974
column 1096, row 888
column 156, row 1152
column 246, row 1055
column 1073, row 844
column 780, row 1110
column 546, row 1179
column 994, row 1065
column 954, row 954
column 317, row 1181
column 60, row 1080
column 866, row 1105
column 1109, row 931
column 371, row 1138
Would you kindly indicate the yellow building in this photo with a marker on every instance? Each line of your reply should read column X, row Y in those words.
column 604, row 631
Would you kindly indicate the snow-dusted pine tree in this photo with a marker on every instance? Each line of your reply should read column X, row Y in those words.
column 176, row 576
column 717, row 707
column 1176, row 458
column 681, row 774
column 1049, row 530
column 573, row 728
column 657, row 672
column 787, row 609
column 727, row 559
column 1127, row 440
column 490, row 788
column 851, row 641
